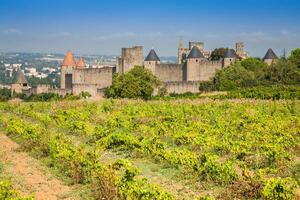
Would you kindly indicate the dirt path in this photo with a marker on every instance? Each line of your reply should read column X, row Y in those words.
column 32, row 179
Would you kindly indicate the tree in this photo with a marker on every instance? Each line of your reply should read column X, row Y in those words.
column 284, row 72
column 233, row 77
column 218, row 54
column 137, row 83
column 295, row 57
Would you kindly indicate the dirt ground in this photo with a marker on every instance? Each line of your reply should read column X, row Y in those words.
column 31, row 179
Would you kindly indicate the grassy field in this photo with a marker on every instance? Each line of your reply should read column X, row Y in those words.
column 177, row 149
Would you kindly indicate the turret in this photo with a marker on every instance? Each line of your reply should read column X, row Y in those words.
column 229, row 57
column 81, row 63
column 151, row 61
column 67, row 67
column 194, row 59
column 270, row 57
column 20, row 83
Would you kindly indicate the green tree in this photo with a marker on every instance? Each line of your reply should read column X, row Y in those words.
column 137, row 83
column 233, row 77
column 295, row 57
column 218, row 53
column 284, row 72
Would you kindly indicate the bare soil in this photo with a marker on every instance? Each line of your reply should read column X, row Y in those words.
column 27, row 176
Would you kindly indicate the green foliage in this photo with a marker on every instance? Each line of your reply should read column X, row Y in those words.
column 218, row 54
column 230, row 146
column 275, row 92
column 233, row 77
column 295, row 57
column 5, row 94
column 252, row 72
column 284, row 72
column 137, row 83
column 8, row 193
column 279, row 189
column 45, row 97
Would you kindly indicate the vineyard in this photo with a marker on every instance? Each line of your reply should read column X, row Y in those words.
column 177, row 149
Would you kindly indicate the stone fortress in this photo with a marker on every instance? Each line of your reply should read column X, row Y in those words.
column 193, row 66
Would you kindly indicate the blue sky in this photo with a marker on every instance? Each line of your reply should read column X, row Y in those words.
column 103, row 27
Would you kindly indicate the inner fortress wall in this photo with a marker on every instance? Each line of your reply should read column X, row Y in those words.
column 169, row 72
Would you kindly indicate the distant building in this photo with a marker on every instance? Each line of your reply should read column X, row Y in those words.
column 20, row 85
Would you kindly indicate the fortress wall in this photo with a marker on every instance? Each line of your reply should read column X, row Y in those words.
column 208, row 69
column 91, row 80
column 169, row 72
column 202, row 70
column 182, row 87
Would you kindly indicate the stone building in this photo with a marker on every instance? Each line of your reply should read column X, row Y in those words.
column 77, row 78
column 270, row 57
column 130, row 57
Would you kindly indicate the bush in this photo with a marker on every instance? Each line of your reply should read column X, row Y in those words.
column 5, row 94
column 8, row 193
column 137, row 83
column 279, row 189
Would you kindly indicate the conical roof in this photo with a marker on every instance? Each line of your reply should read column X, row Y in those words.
column 80, row 63
column 21, row 78
column 152, row 56
column 230, row 53
column 69, row 60
column 195, row 53
column 270, row 55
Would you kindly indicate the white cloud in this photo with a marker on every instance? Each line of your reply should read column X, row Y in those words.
column 58, row 34
column 12, row 31
column 287, row 34
column 128, row 35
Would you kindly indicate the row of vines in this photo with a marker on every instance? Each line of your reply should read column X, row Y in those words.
column 247, row 149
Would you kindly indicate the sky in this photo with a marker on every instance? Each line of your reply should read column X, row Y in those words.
column 104, row 27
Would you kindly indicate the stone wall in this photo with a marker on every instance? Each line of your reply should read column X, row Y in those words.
column 181, row 87
column 202, row 70
column 169, row 72
column 91, row 80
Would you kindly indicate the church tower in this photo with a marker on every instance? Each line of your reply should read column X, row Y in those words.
column 181, row 54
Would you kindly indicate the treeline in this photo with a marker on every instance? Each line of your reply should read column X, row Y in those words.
column 5, row 95
column 253, row 72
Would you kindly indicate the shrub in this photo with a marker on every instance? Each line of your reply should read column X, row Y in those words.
column 137, row 83
column 279, row 189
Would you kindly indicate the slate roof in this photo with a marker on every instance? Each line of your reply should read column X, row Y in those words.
column 270, row 55
column 195, row 53
column 21, row 78
column 230, row 53
column 152, row 56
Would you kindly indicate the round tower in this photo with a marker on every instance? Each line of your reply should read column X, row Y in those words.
column 270, row 57
column 151, row 61
column 194, row 60
column 229, row 57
